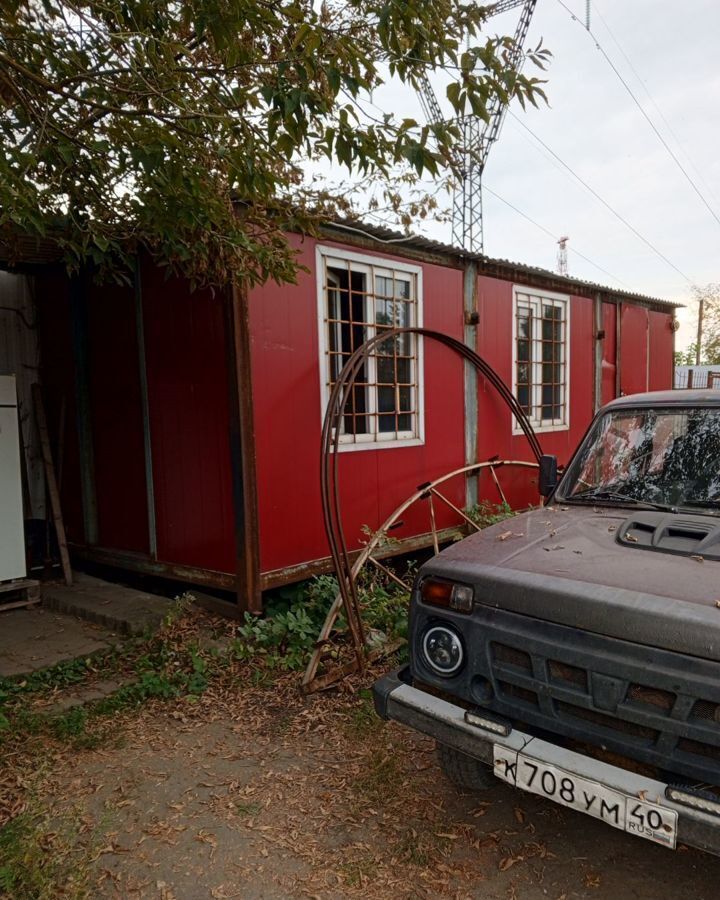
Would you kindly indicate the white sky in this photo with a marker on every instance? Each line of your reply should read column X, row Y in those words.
column 593, row 125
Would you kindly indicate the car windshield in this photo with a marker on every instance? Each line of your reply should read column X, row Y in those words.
column 665, row 457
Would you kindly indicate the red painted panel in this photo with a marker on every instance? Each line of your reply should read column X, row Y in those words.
column 116, row 418
column 609, row 360
column 57, row 372
column 189, row 421
column 288, row 418
column 662, row 343
column 633, row 349
column 495, row 437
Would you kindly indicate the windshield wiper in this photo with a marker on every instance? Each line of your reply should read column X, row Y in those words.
column 606, row 494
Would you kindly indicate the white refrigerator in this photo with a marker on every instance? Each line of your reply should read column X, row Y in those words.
column 12, row 538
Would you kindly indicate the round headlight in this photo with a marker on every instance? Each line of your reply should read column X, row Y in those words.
column 443, row 650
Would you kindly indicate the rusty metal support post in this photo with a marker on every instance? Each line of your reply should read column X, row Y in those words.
column 242, row 451
column 599, row 336
column 471, row 318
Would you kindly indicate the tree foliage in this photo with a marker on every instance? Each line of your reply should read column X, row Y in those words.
column 187, row 127
column 709, row 295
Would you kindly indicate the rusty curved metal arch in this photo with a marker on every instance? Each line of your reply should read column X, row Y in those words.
column 339, row 395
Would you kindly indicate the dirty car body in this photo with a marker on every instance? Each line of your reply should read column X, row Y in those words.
column 575, row 648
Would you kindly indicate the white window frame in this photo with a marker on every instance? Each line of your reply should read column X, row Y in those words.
column 377, row 265
column 532, row 297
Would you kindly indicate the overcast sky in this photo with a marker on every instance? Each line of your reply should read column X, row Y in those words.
column 594, row 126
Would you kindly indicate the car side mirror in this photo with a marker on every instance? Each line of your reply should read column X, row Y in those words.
column 548, row 474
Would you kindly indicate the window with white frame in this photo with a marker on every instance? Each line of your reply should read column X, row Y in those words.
column 541, row 351
column 360, row 297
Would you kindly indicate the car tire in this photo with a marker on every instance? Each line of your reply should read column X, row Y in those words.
column 465, row 771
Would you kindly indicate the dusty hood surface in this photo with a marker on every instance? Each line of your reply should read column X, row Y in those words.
column 564, row 564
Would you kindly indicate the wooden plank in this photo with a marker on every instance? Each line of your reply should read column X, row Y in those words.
column 24, row 584
column 17, row 604
column 51, row 482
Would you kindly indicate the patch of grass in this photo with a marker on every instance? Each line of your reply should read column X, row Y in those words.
column 357, row 872
column 362, row 720
column 42, row 859
column 382, row 776
column 247, row 809
column 421, row 848
column 166, row 665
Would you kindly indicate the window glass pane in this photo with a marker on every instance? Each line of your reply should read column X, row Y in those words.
column 386, row 424
column 385, row 370
column 383, row 286
column 404, row 371
column 386, row 399
column 523, row 397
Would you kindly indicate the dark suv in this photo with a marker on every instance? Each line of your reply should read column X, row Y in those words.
column 574, row 650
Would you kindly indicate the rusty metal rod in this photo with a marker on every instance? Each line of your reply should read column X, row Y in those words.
column 455, row 508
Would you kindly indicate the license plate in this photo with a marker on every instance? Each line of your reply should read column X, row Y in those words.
column 632, row 814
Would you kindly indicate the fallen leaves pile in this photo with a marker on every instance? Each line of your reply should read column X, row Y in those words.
column 252, row 790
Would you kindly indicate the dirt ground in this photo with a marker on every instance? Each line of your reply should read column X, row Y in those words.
column 259, row 793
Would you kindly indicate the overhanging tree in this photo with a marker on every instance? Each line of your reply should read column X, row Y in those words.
column 187, row 127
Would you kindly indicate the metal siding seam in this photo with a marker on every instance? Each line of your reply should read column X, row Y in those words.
column 145, row 401
column 84, row 424
column 470, row 276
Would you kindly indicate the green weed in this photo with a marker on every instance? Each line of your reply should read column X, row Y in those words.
column 382, row 777
column 485, row 513
column 362, row 720
column 285, row 637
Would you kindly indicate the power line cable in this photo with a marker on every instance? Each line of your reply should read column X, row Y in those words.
column 650, row 97
column 602, row 200
column 553, row 236
column 644, row 113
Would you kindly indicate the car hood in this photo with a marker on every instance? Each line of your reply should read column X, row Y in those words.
column 565, row 564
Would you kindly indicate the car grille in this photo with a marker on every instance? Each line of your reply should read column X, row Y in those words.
column 649, row 704
column 546, row 685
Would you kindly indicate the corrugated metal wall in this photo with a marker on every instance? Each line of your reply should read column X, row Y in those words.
column 19, row 356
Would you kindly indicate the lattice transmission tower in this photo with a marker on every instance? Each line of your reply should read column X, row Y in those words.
column 478, row 136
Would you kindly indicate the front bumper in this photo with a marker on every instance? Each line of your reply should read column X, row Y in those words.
column 395, row 698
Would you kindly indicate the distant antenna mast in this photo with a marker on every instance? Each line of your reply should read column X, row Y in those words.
column 587, row 14
column 562, row 255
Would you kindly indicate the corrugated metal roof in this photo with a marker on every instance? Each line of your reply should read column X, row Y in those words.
column 20, row 250
column 493, row 266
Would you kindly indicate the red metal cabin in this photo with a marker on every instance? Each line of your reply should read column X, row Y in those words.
column 188, row 424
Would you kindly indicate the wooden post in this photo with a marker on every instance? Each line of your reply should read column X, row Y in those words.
column 242, row 451
column 51, row 482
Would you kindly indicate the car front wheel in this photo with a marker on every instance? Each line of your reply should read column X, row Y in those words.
column 465, row 771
